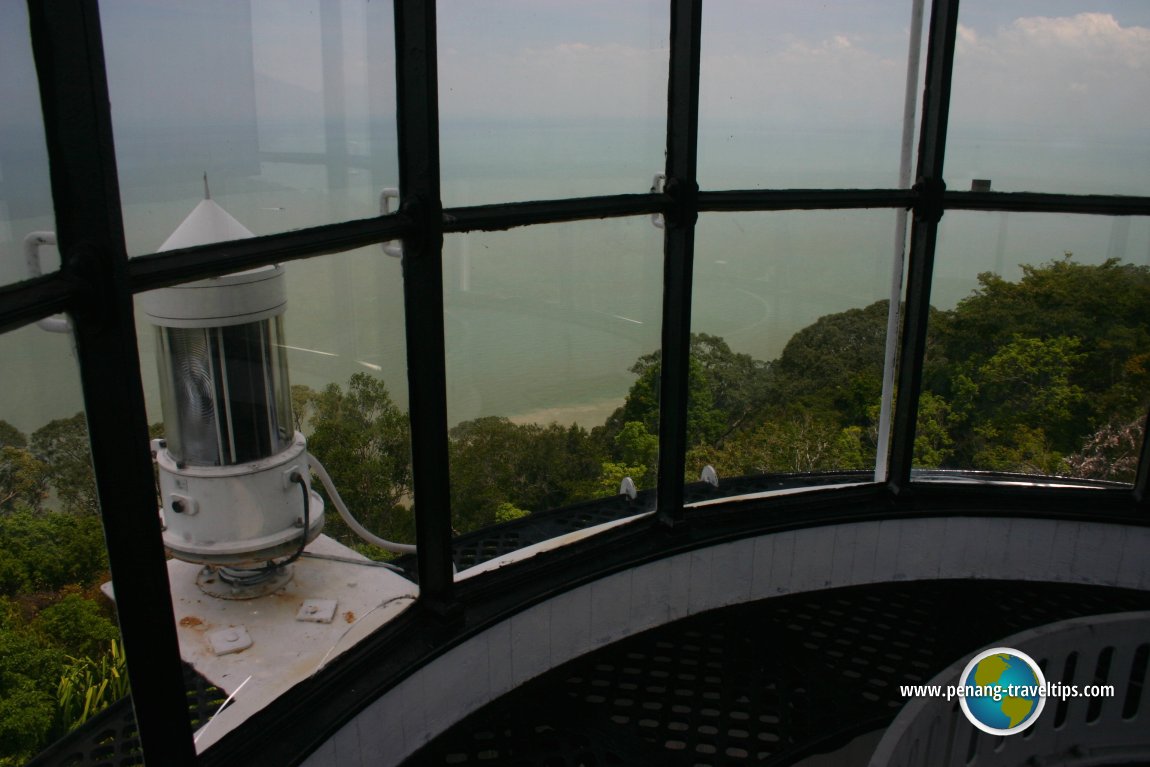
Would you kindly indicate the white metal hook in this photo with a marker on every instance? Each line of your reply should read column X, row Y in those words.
column 32, row 244
column 657, row 184
column 392, row 248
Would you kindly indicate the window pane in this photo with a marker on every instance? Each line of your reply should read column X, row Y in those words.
column 239, row 399
column 547, row 329
column 551, row 100
column 797, row 94
column 1051, row 97
column 1037, row 351
column 59, row 637
column 288, row 107
column 337, row 351
column 25, row 190
column 790, row 316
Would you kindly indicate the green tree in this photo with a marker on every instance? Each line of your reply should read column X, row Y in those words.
column 638, row 451
column 363, row 440
column 10, row 436
column 797, row 441
column 63, row 447
column 76, row 625
column 23, row 479
column 726, row 390
column 29, row 672
column 49, row 550
column 834, row 365
column 529, row 466
column 1016, row 407
column 933, row 444
column 1105, row 307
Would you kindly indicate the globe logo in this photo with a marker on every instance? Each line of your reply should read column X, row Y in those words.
column 1004, row 691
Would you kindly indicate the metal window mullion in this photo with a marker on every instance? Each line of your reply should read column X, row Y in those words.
column 928, row 209
column 678, row 254
column 1142, row 477
column 418, row 132
column 25, row 302
column 158, row 270
column 69, row 57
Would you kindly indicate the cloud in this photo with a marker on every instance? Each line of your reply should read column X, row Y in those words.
column 1072, row 75
column 808, row 83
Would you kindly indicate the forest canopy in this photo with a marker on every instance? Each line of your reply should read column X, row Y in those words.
column 1049, row 374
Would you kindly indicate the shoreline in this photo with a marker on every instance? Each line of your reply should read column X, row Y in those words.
column 587, row 415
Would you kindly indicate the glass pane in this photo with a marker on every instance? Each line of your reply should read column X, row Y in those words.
column 25, row 190
column 63, row 661
column 337, row 351
column 789, row 316
column 1037, row 353
column 547, row 330
column 346, row 344
column 288, row 107
column 798, row 94
column 1051, row 97
column 551, row 100
column 332, row 343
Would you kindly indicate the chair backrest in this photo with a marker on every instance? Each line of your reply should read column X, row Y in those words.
column 1094, row 650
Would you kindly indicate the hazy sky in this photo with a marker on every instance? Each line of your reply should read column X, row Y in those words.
column 771, row 61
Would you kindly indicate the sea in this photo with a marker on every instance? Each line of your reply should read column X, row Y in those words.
column 543, row 323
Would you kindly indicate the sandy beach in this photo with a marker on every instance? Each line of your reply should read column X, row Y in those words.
column 588, row 416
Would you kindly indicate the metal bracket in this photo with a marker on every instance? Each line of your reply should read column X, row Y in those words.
column 32, row 244
column 392, row 248
column 230, row 640
column 317, row 611
column 657, row 184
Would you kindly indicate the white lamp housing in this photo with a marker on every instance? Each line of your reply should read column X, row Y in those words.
column 233, row 469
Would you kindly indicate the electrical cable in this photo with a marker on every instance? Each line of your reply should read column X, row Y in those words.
column 360, row 530
column 360, row 562
column 298, row 479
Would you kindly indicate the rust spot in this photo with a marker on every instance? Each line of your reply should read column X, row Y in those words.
column 190, row 621
column 349, row 616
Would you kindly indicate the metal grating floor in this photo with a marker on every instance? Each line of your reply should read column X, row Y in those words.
column 768, row 683
column 110, row 738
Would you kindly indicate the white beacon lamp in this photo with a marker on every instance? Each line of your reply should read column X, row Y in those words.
column 235, row 484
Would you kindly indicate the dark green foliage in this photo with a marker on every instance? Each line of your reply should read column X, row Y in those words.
column 363, row 439
column 29, row 672
column 63, row 447
column 10, row 436
column 1105, row 307
column 1032, row 369
column 532, row 467
column 803, row 441
column 834, row 365
column 48, row 550
column 726, row 390
column 27, row 714
column 76, row 625
column 23, row 478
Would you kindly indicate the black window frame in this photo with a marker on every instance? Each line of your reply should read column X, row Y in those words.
column 97, row 281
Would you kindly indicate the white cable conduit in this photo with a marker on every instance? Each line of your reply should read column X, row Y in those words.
column 357, row 528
